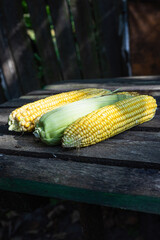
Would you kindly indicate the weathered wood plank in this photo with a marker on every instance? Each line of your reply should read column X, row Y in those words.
column 146, row 83
column 18, row 102
column 86, row 37
column 20, row 45
column 65, row 40
column 135, row 189
column 7, row 62
column 4, row 113
column 44, row 42
column 108, row 85
column 106, row 13
column 56, row 90
column 137, row 80
column 132, row 149
column 111, row 179
column 43, row 94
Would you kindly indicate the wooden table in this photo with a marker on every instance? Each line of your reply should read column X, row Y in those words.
column 121, row 172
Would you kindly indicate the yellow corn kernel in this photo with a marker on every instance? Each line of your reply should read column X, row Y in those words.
column 29, row 113
column 112, row 120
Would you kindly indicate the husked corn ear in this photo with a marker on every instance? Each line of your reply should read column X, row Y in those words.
column 109, row 121
column 25, row 117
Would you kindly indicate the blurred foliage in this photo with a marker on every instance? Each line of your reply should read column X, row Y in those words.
column 32, row 36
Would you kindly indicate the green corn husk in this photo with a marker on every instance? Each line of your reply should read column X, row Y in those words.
column 51, row 126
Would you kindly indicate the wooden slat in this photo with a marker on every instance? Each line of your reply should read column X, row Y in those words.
column 111, row 179
column 142, row 89
column 106, row 13
column 111, row 86
column 86, row 37
column 45, row 92
column 150, row 84
column 20, row 44
column 130, row 188
column 7, row 62
column 134, row 79
column 139, row 83
column 4, row 113
column 64, row 38
column 121, row 150
column 44, row 41
column 17, row 102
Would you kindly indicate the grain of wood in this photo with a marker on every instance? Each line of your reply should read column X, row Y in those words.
column 127, row 147
column 95, row 177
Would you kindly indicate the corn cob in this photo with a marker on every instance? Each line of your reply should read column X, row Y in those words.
column 129, row 93
column 25, row 117
column 108, row 121
column 51, row 125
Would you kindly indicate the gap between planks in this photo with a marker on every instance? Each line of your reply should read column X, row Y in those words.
column 140, row 150
column 109, row 179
